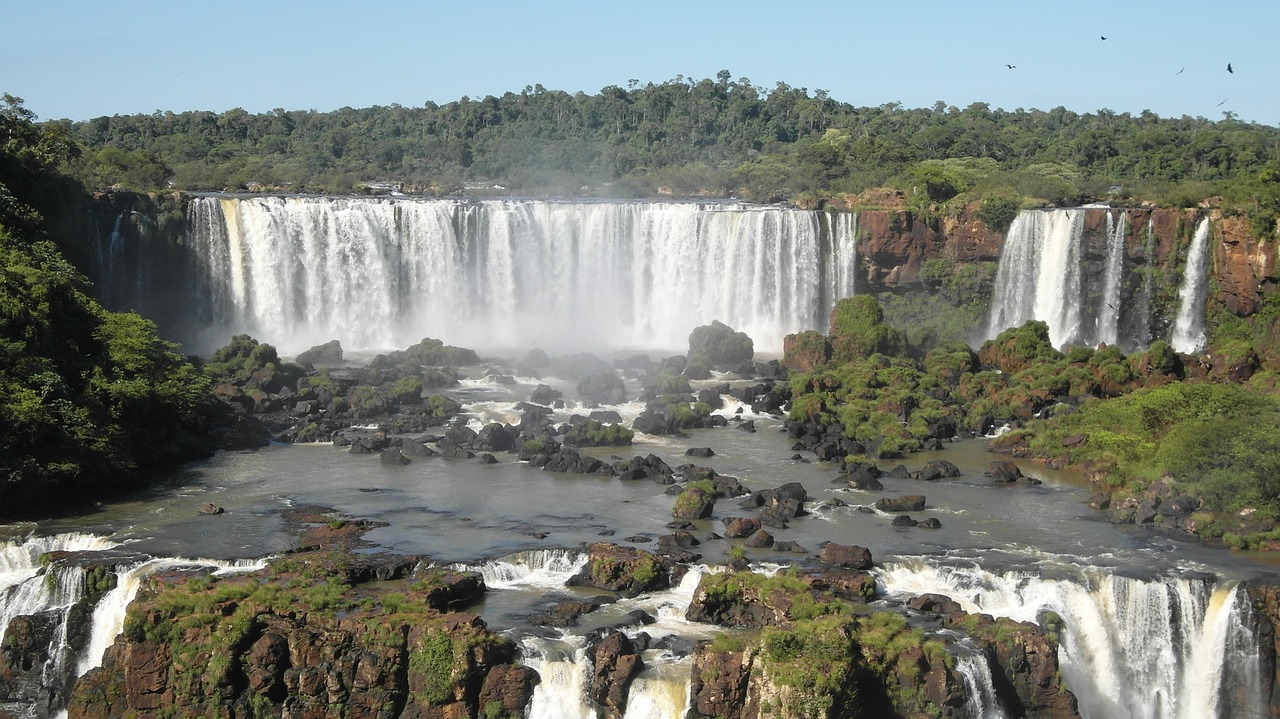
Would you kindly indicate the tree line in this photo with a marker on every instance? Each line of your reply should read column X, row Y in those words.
column 687, row 137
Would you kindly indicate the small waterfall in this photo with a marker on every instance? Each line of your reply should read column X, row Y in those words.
column 23, row 590
column 546, row 568
column 975, row 672
column 661, row 691
column 1188, row 329
column 1108, row 329
column 564, row 668
column 1187, row 643
column 1040, row 275
column 382, row 273
column 114, row 259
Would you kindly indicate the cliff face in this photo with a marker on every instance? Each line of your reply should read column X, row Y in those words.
column 893, row 247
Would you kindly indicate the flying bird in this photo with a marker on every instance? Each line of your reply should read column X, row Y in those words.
column 1229, row 69
column 1104, row 37
column 1179, row 72
column 1224, row 101
column 1011, row 67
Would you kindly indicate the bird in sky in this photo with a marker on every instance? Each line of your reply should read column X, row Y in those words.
column 1229, row 69
column 1104, row 37
column 1011, row 67
column 1224, row 101
column 1179, row 72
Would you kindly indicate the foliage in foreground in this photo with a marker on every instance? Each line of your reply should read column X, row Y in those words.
column 89, row 399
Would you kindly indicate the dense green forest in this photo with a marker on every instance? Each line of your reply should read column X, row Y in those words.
column 89, row 399
column 685, row 137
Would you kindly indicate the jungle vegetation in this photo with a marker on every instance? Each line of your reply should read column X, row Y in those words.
column 696, row 137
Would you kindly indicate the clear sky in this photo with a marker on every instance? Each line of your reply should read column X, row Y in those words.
column 81, row 59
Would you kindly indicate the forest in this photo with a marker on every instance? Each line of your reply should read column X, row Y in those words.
column 691, row 137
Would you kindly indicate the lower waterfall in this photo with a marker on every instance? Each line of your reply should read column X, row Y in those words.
column 1189, row 328
column 380, row 274
column 1040, row 275
column 1175, row 648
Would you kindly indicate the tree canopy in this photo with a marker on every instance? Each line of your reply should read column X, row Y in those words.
column 684, row 136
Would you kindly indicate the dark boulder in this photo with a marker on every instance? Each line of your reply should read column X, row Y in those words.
column 846, row 555
column 393, row 456
column 1003, row 471
column 545, row 394
column 701, row 452
column 328, row 354
column 904, row 520
column 759, row 540
column 905, row 503
column 739, row 527
column 938, row 469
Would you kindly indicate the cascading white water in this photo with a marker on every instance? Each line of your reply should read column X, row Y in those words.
column 545, row 568
column 1040, row 274
column 23, row 589
column 1182, row 641
column 975, row 672
column 378, row 273
column 1188, row 329
column 660, row 691
column 1108, row 329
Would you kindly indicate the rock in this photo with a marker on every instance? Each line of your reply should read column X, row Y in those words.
column 603, row 388
column 702, row 452
column 626, row 570
column 1074, row 440
column 930, row 523
column 903, row 520
column 846, row 555
column 938, row 603
column 718, row 345
column 1003, row 471
column 693, row 503
column 209, row 508
column 938, row 469
column 328, row 354
column 905, row 503
column 393, row 456
column 414, row 448
column 615, row 663
column 760, row 539
column 486, row 458
column 678, row 539
column 720, row 683
column 900, row 472
column 739, row 527
column 509, row 687
column 545, row 395
column 494, row 437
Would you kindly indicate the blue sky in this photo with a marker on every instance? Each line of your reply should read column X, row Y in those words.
column 79, row 59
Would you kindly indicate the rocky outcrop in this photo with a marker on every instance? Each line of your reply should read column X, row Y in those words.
column 615, row 662
column 301, row 635
column 626, row 570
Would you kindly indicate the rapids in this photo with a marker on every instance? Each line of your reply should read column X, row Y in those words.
column 1140, row 608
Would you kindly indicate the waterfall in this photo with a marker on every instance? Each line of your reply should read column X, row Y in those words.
column 1108, row 329
column 29, row 588
column 1189, row 329
column 23, row 590
column 564, row 668
column 1186, row 642
column 1040, row 274
column 539, row 568
column 384, row 273
column 975, row 672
